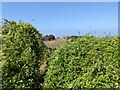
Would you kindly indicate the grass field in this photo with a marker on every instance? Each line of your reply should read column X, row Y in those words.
column 55, row 43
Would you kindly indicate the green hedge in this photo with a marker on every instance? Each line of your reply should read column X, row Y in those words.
column 86, row 62
column 22, row 49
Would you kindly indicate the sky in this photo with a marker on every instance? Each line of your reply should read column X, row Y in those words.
column 65, row 18
column 0, row 8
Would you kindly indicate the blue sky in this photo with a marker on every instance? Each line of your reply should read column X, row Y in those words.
column 0, row 10
column 63, row 19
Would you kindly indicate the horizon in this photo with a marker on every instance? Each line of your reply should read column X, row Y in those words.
column 65, row 18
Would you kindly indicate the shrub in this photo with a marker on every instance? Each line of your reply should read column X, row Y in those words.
column 86, row 62
column 22, row 53
column 49, row 37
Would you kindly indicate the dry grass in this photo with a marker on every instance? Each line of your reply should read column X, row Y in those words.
column 55, row 43
column 51, row 44
column 43, row 68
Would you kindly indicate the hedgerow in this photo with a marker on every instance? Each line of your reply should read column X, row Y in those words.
column 86, row 62
column 22, row 48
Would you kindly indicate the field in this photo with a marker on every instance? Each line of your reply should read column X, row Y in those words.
column 55, row 43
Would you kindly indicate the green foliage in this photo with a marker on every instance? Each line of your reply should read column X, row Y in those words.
column 49, row 37
column 22, row 48
column 86, row 62
column 0, row 57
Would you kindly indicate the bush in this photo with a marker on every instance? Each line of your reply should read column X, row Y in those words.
column 87, row 62
column 49, row 37
column 22, row 53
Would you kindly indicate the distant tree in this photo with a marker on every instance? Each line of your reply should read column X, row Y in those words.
column 49, row 37
column 74, row 36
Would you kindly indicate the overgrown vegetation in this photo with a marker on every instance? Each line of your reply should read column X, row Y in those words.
column 87, row 62
column 73, row 62
column 22, row 49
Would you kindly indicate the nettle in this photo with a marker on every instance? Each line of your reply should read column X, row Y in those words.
column 86, row 62
column 22, row 48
